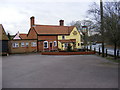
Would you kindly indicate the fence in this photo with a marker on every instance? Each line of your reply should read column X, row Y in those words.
column 99, row 51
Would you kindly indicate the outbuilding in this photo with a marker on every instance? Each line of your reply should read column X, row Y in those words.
column 3, row 41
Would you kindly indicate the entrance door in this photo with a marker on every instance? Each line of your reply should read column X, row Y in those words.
column 50, row 45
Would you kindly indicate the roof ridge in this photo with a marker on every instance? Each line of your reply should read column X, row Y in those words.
column 54, row 25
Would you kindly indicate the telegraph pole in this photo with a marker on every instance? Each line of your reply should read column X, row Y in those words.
column 101, row 27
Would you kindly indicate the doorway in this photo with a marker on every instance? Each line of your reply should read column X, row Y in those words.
column 50, row 45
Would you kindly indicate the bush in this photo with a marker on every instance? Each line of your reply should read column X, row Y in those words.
column 81, row 50
column 69, row 48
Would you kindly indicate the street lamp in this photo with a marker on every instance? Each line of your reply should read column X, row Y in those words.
column 85, row 33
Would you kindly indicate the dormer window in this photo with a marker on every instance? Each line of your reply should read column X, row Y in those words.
column 63, row 37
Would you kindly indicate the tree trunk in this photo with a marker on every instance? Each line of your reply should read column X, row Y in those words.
column 101, row 27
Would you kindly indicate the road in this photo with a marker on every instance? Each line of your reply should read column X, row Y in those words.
column 76, row 71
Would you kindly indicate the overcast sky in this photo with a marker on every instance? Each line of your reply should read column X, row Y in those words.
column 15, row 14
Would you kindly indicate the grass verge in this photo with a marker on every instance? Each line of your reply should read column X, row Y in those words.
column 113, row 60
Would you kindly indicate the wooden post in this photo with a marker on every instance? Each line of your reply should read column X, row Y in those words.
column 90, row 48
column 106, row 52
column 99, row 50
column 117, row 53
column 94, row 49
column 87, row 48
column 115, row 56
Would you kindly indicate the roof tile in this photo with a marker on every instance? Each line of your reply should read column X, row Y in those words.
column 50, row 29
column 23, row 36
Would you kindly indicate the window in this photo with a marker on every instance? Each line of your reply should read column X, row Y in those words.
column 22, row 44
column 55, row 43
column 45, row 44
column 15, row 45
column 66, row 45
column 63, row 37
column 75, row 33
column 33, row 44
column 27, row 44
column 51, row 44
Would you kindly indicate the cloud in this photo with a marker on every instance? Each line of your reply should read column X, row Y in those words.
column 16, row 13
column 38, row 1
column 10, row 14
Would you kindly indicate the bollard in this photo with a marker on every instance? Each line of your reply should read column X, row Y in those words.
column 99, row 50
column 117, row 53
column 106, row 52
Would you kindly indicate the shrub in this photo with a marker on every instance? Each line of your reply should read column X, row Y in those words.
column 69, row 48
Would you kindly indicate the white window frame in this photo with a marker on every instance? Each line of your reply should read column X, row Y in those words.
column 44, row 44
column 22, row 44
column 55, row 43
column 15, row 45
column 33, row 44
column 27, row 44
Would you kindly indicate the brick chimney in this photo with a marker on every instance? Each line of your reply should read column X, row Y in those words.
column 61, row 22
column 32, row 21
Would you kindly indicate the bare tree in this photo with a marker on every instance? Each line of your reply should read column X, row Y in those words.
column 111, row 21
column 90, row 25
column 77, row 24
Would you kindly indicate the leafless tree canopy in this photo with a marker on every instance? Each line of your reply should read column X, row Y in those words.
column 111, row 17
column 87, row 23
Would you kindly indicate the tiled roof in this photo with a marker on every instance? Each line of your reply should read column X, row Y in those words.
column 3, row 35
column 67, row 41
column 23, row 36
column 54, row 30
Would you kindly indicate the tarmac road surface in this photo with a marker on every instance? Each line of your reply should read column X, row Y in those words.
column 76, row 71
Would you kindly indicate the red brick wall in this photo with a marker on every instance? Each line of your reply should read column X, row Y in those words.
column 49, row 39
column 67, row 53
column 20, row 49
column 32, row 34
column 40, row 46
